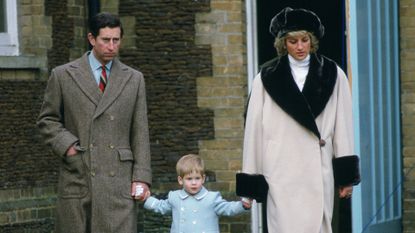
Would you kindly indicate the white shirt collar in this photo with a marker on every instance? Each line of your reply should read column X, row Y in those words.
column 95, row 64
column 198, row 196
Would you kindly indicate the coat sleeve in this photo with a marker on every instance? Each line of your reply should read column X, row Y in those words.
column 140, row 142
column 227, row 208
column 252, row 147
column 159, row 206
column 346, row 163
column 50, row 120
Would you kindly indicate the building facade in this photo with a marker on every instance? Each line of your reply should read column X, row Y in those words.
column 192, row 56
column 195, row 57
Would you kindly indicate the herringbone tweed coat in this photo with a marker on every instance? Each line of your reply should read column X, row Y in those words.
column 112, row 132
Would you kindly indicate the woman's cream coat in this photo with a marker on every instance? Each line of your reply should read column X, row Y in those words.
column 296, row 166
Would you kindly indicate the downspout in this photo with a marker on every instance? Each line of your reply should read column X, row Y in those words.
column 94, row 7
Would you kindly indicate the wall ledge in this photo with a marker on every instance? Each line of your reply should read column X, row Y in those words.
column 22, row 62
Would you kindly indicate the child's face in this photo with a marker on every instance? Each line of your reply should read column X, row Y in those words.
column 192, row 182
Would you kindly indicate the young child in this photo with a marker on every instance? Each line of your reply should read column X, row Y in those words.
column 194, row 208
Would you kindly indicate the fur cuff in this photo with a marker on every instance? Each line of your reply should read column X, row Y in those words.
column 252, row 185
column 346, row 170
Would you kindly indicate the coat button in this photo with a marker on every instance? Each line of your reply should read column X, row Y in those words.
column 112, row 118
column 111, row 146
column 322, row 142
column 112, row 174
column 92, row 173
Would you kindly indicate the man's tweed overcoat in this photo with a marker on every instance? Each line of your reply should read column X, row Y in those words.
column 113, row 140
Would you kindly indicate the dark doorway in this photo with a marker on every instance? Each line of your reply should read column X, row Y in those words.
column 332, row 45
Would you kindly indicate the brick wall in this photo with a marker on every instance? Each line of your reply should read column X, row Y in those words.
column 28, row 170
column 25, row 161
column 171, row 62
column 223, row 28
column 62, row 32
column 192, row 56
column 407, row 53
column 27, row 209
column 33, row 21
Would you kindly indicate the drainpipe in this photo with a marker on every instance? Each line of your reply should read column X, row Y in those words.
column 94, row 7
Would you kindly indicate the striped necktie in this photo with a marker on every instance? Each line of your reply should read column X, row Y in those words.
column 103, row 79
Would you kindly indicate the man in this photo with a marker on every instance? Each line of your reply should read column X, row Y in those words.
column 94, row 116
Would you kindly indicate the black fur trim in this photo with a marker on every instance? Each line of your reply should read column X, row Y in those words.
column 252, row 185
column 288, row 20
column 346, row 170
column 303, row 106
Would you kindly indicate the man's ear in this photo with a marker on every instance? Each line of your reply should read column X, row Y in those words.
column 180, row 180
column 91, row 39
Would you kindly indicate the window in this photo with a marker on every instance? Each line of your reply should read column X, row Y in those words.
column 8, row 28
column 3, row 19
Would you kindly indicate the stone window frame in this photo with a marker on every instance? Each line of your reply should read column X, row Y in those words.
column 9, row 43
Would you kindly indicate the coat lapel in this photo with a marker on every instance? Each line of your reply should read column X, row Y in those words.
column 117, row 80
column 304, row 106
column 320, row 83
column 81, row 73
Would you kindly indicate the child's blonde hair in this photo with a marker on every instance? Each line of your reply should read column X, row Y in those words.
column 190, row 163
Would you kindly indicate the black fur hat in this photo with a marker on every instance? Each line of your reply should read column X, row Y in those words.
column 289, row 20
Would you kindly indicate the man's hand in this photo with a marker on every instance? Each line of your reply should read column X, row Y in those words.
column 140, row 191
column 71, row 151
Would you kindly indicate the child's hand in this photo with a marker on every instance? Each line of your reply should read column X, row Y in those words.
column 246, row 203
column 146, row 195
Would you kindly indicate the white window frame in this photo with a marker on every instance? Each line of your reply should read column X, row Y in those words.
column 9, row 40
column 252, row 70
column 252, row 41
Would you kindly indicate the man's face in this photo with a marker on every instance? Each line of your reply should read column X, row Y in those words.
column 106, row 45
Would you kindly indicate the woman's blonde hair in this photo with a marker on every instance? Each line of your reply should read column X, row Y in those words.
column 279, row 42
column 190, row 163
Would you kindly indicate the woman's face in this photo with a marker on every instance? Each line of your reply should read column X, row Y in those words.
column 298, row 46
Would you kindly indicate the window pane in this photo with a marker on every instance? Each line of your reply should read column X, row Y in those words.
column 3, row 19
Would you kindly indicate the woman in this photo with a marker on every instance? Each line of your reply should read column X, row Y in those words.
column 299, row 129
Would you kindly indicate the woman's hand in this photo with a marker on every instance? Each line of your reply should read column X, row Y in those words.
column 346, row 191
column 246, row 203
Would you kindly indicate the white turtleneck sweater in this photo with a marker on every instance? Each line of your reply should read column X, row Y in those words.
column 299, row 70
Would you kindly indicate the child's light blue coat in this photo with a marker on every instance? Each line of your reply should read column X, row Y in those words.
column 195, row 214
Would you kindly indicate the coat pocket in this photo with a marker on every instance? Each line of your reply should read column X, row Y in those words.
column 125, row 171
column 72, row 177
column 125, row 155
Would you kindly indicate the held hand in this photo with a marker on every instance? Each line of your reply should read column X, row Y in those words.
column 140, row 191
column 246, row 203
column 345, row 191
column 71, row 151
